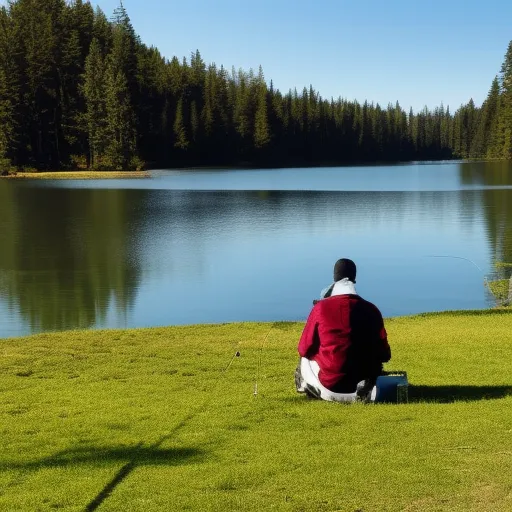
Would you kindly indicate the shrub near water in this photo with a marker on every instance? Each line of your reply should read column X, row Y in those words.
column 166, row 419
column 500, row 289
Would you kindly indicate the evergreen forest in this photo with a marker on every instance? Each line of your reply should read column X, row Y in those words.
column 79, row 89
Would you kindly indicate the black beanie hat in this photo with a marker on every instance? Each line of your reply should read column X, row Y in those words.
column 345, row 268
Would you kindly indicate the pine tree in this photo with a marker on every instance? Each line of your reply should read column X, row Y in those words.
column 502, row 135
column 469, row 122
column 126, row 49
column 261, row 126
column 378, row 132
column 194, row 123
column 486, row 140
column 37, row 34
column 94, row 90
column 412, row 131
column 241, row 112
column 6, row 130
column 197, row 72
column 207, row 114
column 357, row 130
column 152, row 83
column 223, row 110
column 485, row 124
column 9, row 91
column 77, row 31
column 457, row 130
column 365, row 135
column 102, row 30
column 71, row 68
column 180, row 134
column 444, row 138
column 120, row 151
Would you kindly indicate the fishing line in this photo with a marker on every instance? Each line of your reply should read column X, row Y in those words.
column 486, row 281
column 454, row 257
column 259, row 362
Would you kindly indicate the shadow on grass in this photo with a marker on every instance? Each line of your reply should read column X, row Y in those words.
column 438, row 394
column 151, row 456
column 449, row 394
column 132, row 457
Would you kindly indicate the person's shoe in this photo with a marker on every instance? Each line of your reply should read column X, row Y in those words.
column 299, row 383
column 364, row 390
column 312, row 392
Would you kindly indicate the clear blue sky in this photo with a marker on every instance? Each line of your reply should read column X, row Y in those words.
column 417, row 52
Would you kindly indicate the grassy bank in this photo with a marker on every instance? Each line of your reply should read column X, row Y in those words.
column 167, row 419
column 78, row 175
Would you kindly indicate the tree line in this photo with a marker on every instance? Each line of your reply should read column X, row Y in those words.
column 78, row 89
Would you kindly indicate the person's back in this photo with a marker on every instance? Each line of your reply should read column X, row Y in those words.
column 344, row 340
column 345, row 335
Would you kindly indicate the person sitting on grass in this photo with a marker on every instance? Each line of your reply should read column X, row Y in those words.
column 343, row 344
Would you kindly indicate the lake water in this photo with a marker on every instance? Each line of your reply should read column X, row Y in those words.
column 239, row 245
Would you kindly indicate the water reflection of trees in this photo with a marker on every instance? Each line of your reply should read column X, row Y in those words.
column 497, row 207
column 65, row 267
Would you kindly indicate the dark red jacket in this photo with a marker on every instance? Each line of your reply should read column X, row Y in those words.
column 345, row 335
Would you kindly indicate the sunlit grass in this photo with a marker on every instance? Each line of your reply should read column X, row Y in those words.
column 78, row 175
column 167, row 419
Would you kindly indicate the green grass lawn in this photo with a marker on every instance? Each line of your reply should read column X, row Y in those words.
column 167, row 419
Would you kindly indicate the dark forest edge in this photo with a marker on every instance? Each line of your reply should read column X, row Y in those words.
column 81, row 91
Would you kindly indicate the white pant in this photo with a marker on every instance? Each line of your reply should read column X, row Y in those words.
column 309, row 372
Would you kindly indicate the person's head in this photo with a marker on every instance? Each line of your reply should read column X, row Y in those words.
column 345, row 268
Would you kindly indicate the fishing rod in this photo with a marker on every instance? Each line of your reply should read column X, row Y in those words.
column 259, row 361
column 236, row 354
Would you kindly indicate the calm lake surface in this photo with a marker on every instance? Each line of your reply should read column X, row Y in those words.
column 234, row 245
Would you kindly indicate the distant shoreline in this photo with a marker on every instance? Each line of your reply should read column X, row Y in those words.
column 380, row 163
column 91, row 175
column 78, row 175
